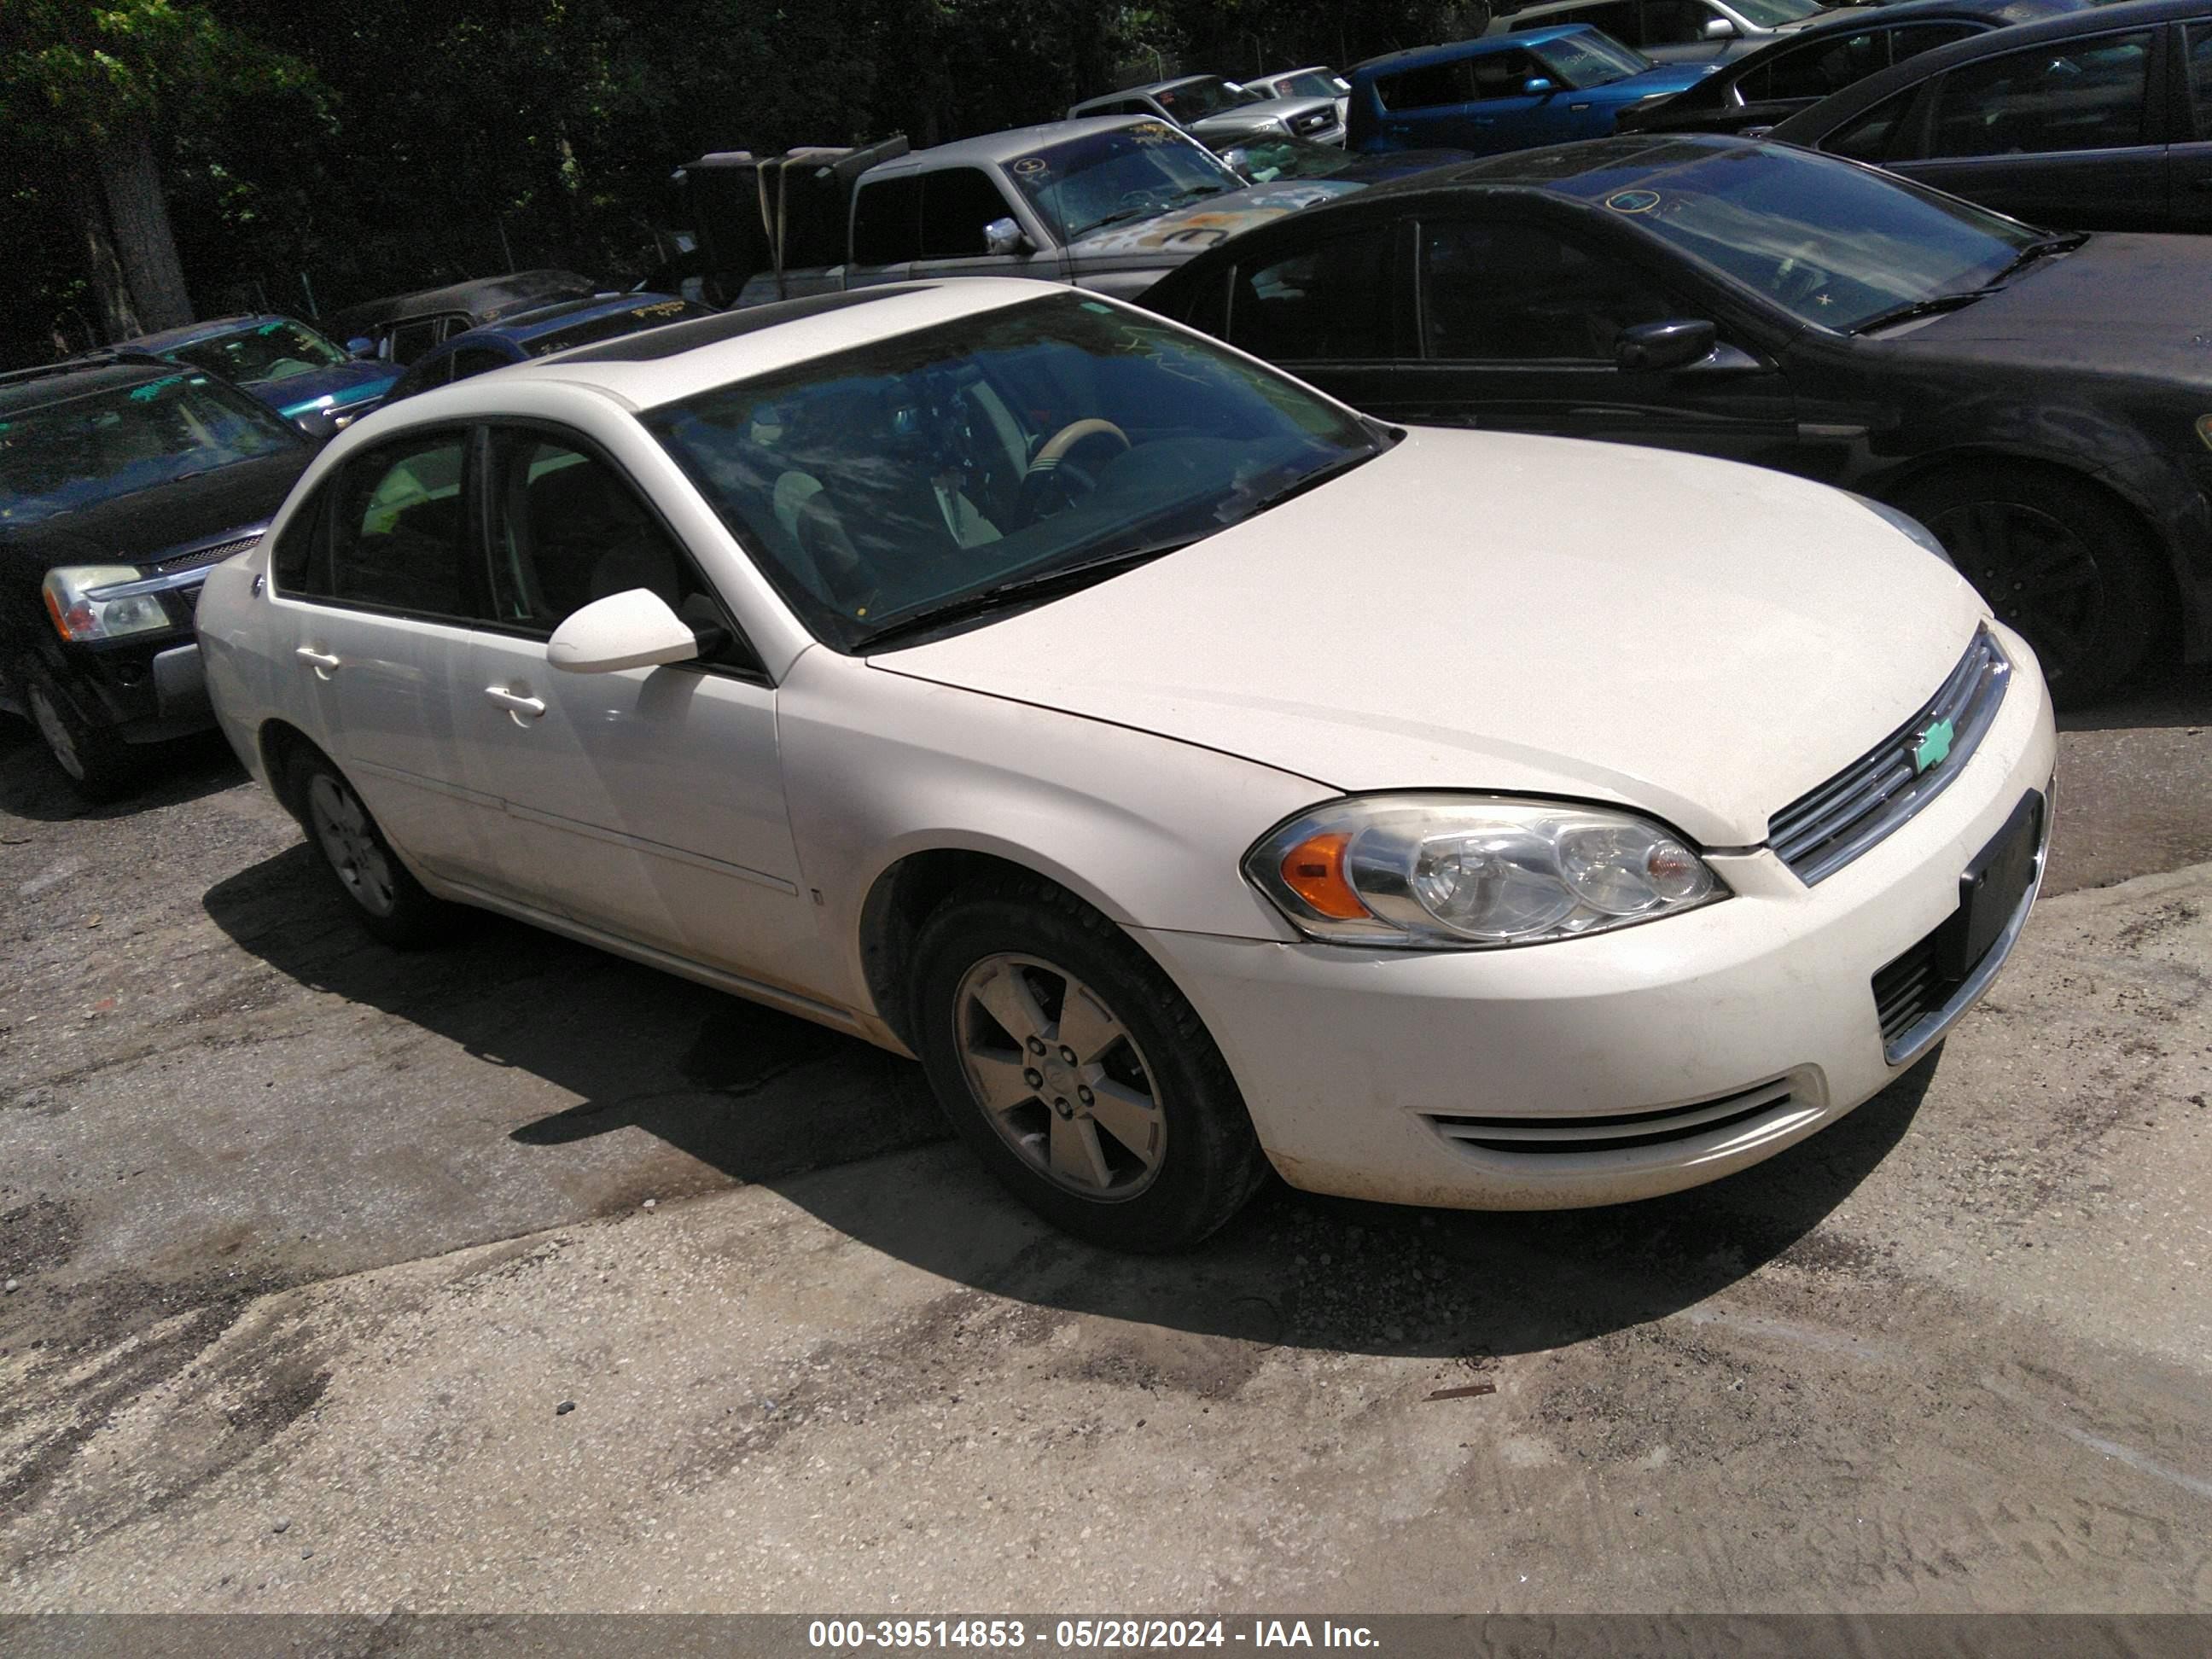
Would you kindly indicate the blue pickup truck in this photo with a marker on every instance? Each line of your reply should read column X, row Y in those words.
column 1546, row 86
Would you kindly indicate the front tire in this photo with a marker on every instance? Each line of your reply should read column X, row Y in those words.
column 1076, row 1071
column 2056, row 559
column 383, row 896
column 97, row 763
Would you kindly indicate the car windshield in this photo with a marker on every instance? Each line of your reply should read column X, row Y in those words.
column 915, row 476
column 1773, row 14
column 1831, row 242
column 1193, row 100
column 267, row 351
column 1313, row 84
column 1263, row 160
column 1590, row 58
column 1110, row 177
column 91, row 449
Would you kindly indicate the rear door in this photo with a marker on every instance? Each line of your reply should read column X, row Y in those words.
column 2188, row 200
column 2071, row 133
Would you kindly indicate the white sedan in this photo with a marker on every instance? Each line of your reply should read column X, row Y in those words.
column 1196, row 775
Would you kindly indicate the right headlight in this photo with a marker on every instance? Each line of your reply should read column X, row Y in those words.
column 1471, row 872
column 74, row 600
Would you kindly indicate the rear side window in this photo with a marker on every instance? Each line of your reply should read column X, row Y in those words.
column 2084, row 95
column 887, row 221
column 1876, row 136
column 399, row 528
column 298, row 563
column 411, row 339
column 2200, row 75
column 955, row 204
column 1816, row 68
column 1325, row 303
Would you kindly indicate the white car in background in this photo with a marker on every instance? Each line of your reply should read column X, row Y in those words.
column 1194, row 774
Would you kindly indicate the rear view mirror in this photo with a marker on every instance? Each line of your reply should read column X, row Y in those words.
column 1003, row 236
column 1650, row 348
column 1719, row 28
column 632, row 630
column 1537, row 85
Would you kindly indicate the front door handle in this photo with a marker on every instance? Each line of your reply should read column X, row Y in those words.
column 322, row 662
column 520, row 709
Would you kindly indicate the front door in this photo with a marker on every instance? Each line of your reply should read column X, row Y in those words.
column 1517, row 326
column 647, row 803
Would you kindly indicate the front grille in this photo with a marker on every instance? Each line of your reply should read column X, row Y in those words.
column 1910, row 989
column 1617, row 1131
column 192, row 557
column 1319, row 121
column 1819, row 833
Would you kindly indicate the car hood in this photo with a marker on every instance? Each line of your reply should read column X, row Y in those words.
column 1704, row 640
column 335, row 388
column 1243, row 117
column 2117, row 304
column 148, row 523
column 1175, row 236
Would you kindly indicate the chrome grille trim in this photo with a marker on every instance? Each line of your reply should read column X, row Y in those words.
column 1823, row 831
column 1617, row 1132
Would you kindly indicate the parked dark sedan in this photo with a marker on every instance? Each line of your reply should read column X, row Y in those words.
column 540, row 333
column 2042, row 402
column 1797, row 70
column 2099, row 120
column 120, row 484
column 281, row 360
column 402, row 327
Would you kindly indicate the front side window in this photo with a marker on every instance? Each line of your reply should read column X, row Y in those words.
column 1877, row 135
column 566, row 529
column 468, row 360
column 888, row 485
column 1325, row 303
column 1196, row 99
column 2069, row 96
column 399, row 527
column 1506, row 74
column 1433, row 86
column 2200, row 75
column 1591, row 60
column 1816, row 69
column 275, row 351
column 1138, row 171
column 83, row 450
column 1504, row 292
column 410, row 339
column 886, row 221
column 957, row 203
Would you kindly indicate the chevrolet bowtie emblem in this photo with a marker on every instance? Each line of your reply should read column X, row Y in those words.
column 1931, row 746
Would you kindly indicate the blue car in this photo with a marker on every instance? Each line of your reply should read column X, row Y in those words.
column 540, row 333
column 1505, row 91
column 283, row 363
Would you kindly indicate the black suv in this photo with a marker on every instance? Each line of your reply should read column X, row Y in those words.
column 120, row 483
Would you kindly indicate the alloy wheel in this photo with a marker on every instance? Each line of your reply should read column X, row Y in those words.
column 2037, row 572
column 1059, row 1077
column 349, row 841
column 55, row 729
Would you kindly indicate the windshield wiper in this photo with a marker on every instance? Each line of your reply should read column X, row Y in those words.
column 1025, row 590
column 1942, row 302
column 1305, row 481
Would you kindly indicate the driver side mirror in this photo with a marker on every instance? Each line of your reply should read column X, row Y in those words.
column 1537, row 85
column 361, row 346
column 1651, row 348
column 1719, row 28
column 631, row 630
column 1003, row 236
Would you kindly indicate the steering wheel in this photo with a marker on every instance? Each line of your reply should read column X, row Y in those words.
column 1050, row 469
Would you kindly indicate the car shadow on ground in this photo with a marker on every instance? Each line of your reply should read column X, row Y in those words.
column 758, row 1097
column 32, row 787
column 2164, row 694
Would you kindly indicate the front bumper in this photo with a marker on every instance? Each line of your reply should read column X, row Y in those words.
column 1726, row 1034
column 144, row 692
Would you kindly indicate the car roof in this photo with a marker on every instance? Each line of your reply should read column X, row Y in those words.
column 1840, row 106
column 525, row 326
column 57, row 383
column 478, row 294
column 1450, row 51
column 169, row 339
column 1003, row 147
column 659, row 366
column 1857, row 20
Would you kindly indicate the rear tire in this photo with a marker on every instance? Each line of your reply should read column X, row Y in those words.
column 1140, row 1141
column 2058, row 560
column 97, row 763
column 377, row 887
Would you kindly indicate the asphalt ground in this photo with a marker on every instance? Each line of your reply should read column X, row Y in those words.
column 305, row 1229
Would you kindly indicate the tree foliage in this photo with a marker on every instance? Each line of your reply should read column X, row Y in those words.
column 316, row 153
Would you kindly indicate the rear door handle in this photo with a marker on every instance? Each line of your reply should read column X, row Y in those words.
column 521, row 710
column 322, row 662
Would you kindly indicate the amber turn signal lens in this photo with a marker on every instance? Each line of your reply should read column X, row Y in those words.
column 1314, row 870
